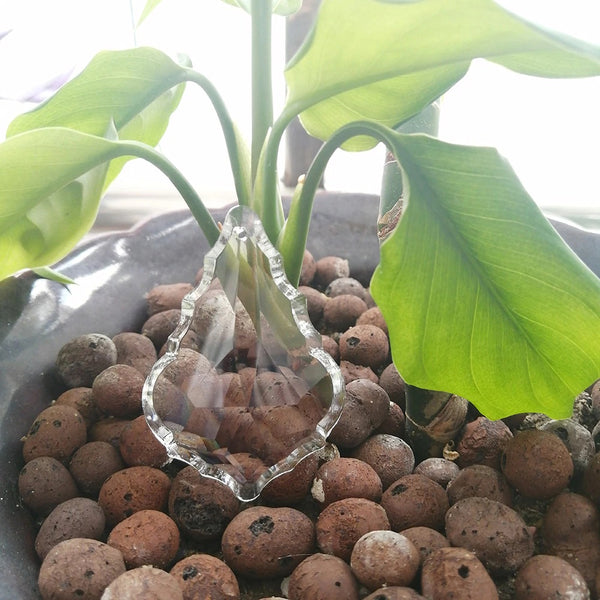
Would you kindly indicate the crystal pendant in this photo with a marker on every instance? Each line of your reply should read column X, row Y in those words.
column 244, row 390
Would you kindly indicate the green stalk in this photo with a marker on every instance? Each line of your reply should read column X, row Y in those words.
column 235, row 147
column 262, row 87
column 292, row 241
column 183, row 186
column 267, row 203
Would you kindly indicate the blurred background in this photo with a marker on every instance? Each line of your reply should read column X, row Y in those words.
column 548, row 129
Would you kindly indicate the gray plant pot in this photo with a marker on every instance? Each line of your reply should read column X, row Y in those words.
column 113, row 273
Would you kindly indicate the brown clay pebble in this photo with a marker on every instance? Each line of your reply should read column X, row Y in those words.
column 292, row 487
column 365, row 345
column 391, row 381
column 451, row 573
column 81, row 400
column 132, row 489
column 493, row 531
column 160, row 326
column 81, row 359
column 135, row 350
column 187, row 365
column 373, row 316
column 75, row 518
column 329, row 268
column 203, row 577
column 147, row 537
column 322, row 577
column 578, row 440
column 79, row 568
column 331, row 347
column 342, row 523
column 139, row 446
column 346, row 478
column 170, row 402
column 415, row 500
column 366, row 407
column 537, row 464
column 117, row 391
column 108, row 430
column 44, row 483
column 341, row 312
column 350, row 372
column 394, row 423
column 92, row 464
column 166, row 296
column 571, row 530
column 263, row 542
column 441, row 470
column 482, row 442
column 308, row 269
column 591, row 478
column 346, row 285
column 426, row 540
column 544, row 576
column 479, row 480
column 144, row 583
column 394, row 593
column 384, row 558
column 57, row 432
column 201, row 507
column 315, row 303
column 390, row 456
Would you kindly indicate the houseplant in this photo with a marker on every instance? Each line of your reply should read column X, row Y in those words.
column 470, row 244
column 70, row 301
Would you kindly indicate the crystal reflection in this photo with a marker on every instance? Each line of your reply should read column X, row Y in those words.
column 244, row 390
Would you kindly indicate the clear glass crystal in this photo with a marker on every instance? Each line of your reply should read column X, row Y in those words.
column 244, row 390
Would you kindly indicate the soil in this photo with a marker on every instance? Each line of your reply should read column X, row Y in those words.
column 514, row 489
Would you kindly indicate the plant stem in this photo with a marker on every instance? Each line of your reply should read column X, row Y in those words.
column 266, row 200
column 235, row 148
column 262, row 86
column 432, row 418
column 183, row 186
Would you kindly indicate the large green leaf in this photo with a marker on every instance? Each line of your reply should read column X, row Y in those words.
column 50, row 184
column 130, row 94
column 481, row 296
column 135, row 91
column 115, row 87
column 385, row 61
column 43, row 216
column 148, row 126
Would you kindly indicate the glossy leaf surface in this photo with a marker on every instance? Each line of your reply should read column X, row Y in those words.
column 385, row 61
column 482, row 297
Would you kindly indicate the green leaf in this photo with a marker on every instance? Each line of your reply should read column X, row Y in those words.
column 48, row 273
column 135, row 91
column 386, row 61
column 148, row 126
column 148, row 8
column 43, row 217
column 279, row 7
column 115, row 87
column 482, row 297
column 50, row 185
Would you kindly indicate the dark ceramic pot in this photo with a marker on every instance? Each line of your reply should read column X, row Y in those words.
column 113, row 272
